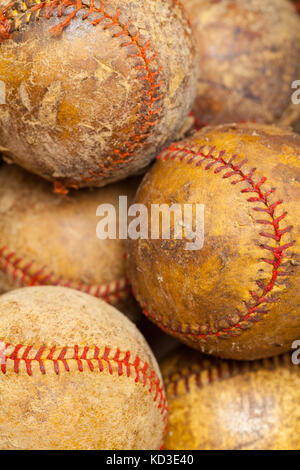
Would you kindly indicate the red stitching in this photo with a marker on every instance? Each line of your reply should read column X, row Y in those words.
column 198, row 125
column 177, row 3
column 124, row 365
column 255, row 311
column 23, row 272
column 217, row 370
column 80, row 355
column 4, row 22
column 149, row 78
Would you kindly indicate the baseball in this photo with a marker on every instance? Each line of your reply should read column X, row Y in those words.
column 94, row 88
column 231, row 405
column 47, row 239
column 73, row 373
column 236, row 295
column 248, row 57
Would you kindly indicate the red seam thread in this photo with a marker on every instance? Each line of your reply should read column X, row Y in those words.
column 217, row 372
column 198, row 125
column 149, row 77
column 4, row 22
column 179, row 4
column 113, row 292
column 253, row 311
column 123, row 365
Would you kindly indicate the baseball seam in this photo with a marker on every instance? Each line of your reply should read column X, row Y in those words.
column 91, row 357
column 149, row 76
column 25, row 273
column 202, row 375
column 238, row 322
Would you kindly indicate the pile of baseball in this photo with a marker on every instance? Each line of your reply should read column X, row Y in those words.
column 150, row 174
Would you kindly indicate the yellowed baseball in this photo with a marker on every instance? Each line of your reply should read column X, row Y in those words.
column 48, row 239
column 219, row 404
column 75, row 374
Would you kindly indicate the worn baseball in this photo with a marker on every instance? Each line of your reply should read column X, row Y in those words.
column 233, row 290
column 232, row 405
column 73, row 373
column 94, row 88
column 248, row 59
column 48, row 239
